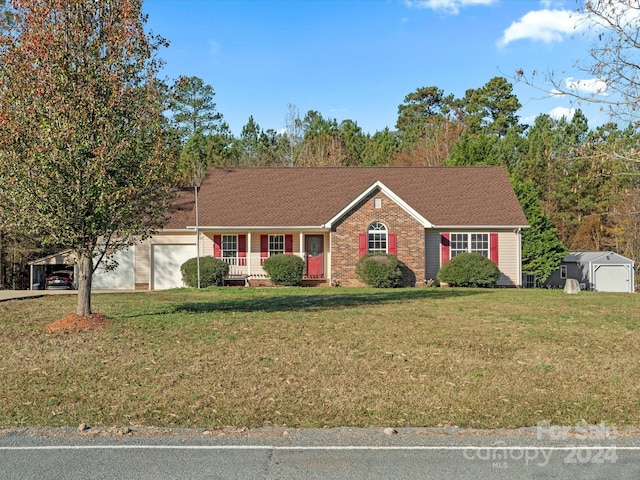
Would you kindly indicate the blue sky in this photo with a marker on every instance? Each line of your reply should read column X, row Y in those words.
column 358, row 59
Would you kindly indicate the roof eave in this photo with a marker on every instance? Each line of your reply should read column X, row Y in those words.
column 484, row 227
column 257, row 227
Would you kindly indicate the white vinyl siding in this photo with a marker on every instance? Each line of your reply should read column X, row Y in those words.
column 509, row 258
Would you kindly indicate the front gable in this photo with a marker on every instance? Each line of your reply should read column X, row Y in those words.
column 350, row 240
column 375, row 187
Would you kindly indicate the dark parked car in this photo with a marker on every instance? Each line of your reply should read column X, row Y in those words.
column 61, row 280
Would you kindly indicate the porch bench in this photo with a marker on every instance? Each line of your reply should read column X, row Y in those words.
column 235, row 279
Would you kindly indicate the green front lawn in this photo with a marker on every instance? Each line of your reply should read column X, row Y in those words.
column 314, row 357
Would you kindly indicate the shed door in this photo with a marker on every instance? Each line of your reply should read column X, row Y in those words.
column 167, row 260
column 612, row 278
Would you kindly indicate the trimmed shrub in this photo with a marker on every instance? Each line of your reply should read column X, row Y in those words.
column 380, row 270
column 469, row 270
column 284, row 269
column 212, row 272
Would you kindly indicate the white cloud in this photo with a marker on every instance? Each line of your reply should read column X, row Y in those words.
column 448, row 6
column 559, row 112
column 543, row 25
column 552, row 3
column 593, row 86
column 214, row 48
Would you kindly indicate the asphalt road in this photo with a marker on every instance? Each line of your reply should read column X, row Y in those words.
column 544, row 453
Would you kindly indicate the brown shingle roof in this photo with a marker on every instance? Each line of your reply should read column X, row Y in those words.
column 294, row 197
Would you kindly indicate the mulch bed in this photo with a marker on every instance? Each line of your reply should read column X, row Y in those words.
column 94, row 321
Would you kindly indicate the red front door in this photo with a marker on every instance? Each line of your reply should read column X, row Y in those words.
column 315, row 256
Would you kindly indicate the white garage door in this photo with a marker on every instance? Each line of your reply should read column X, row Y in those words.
column 612, row 278
column 122, row 278
column 167, row 260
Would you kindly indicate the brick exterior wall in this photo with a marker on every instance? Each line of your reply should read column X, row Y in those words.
column 344, row 239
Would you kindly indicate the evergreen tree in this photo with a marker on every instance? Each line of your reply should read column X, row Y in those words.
column 542, row 250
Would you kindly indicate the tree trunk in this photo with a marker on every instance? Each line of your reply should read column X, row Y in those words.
column 1, row 262
column 85, row 273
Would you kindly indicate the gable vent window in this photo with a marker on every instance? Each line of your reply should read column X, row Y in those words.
column 377, row 203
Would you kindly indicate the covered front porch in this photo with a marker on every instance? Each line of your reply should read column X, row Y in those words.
column 246, row 251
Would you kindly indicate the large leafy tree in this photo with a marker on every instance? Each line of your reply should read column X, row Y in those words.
column 83, row 143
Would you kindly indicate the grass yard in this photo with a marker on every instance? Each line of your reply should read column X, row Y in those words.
column 314, row 357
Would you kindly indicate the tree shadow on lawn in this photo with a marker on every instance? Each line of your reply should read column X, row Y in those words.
column 321, row 302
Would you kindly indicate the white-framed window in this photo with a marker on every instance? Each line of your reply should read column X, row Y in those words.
column 276, row 244
column 377, row 238
column 563, row 271
column 469, row 242
column 230, row 249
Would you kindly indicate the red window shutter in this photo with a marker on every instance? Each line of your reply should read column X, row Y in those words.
column 363, row 244
column 288, row 244
column 444, row 247
column 217, row 246
column 242, row 250
column 493, row 247
column 393, row 241
column 264, row 246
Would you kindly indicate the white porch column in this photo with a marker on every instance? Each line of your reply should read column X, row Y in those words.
column 249, row 253
column 329, row 261
column 303, row 247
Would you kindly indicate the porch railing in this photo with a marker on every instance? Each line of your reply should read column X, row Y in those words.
column 250, row 267
column 243, row 266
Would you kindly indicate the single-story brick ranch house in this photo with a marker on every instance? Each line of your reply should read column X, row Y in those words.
column 331, row 216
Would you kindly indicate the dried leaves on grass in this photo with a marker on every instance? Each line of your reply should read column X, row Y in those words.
column 334, row 357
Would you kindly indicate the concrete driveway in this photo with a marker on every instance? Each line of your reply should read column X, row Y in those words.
column 20, row 294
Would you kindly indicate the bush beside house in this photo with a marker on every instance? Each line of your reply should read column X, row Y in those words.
column 469, row 270
column 212, row 272
column 284, row 269
column 380, row 270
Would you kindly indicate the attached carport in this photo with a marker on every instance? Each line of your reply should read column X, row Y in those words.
column 39, row 269
column 119, row 278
